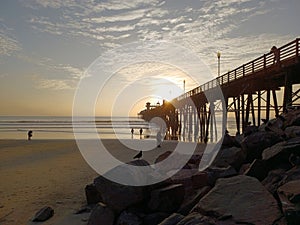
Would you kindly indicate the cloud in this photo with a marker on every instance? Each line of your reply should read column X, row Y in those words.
column 8, row 44
column 205, row 27
column 55, row 84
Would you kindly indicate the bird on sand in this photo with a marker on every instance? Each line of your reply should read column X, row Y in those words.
column 139, row 155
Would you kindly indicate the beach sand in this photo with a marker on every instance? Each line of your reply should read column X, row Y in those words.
column 39, row 173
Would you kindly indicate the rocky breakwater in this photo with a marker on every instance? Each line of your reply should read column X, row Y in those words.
column 254, row 179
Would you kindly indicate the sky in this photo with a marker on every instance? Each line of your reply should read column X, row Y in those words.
column 136, row 50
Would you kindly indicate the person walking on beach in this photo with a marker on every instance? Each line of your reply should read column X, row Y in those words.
column 276, row 53
column 29, row 135
column 132, row 131
column 141, row 132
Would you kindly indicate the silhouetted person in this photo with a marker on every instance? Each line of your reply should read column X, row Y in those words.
column 132, row 131
column 139, row 155
column 276, row 53
column 141, row 132
column 29, row 135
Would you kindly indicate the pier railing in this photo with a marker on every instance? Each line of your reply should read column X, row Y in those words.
column 266, row 61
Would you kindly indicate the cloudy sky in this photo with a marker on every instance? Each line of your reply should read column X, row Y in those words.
column 46, row 47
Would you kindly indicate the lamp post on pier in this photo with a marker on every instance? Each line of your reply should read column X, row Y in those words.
column 219, row 57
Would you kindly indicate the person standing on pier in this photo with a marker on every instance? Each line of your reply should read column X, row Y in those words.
column 276, row 53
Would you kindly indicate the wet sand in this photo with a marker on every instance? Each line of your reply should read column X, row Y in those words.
column 40, row 173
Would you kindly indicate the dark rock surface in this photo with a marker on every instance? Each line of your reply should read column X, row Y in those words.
column 172, row 219
column 240, row 201
column 129, row 218
column 167, row 199
column 92, row 194
column 100, row 215
column 117, row 196
column 43, row 214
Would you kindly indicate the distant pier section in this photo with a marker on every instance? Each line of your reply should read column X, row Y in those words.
column 253, row 92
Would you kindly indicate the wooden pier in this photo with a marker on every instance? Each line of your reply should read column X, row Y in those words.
column 251, row 92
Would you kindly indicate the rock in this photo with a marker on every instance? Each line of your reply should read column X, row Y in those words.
column 189, row 204
column 183, row 176
column 271, row 182
column 167, row 199
column 233, row 156
column 240, row 197
column 282, row 149
column 163, row 156
column 258, row 169
column 229, row 141
column 172, row 220
column 291, row 175
column 250, row 130
column 244, row 168
column 255, row 143
column 154, row 218
column 176, row 162
column 117, row 196
column 291, row 191
column 92, row 195
column 292, row 118
column 195, row 160
column 100, row 215
column 129, row 218
column 200, row 179
column 43, row 214
column 196, row 219
column 289, row 195
column 276, row 126
column 215, row 173
column 292, row 132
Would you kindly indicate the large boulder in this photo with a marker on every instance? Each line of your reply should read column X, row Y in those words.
column 292, row 132
column 258, row 169
column 282, row 150
column 118, row 196
column 233, row 156
column 289, row 195
column 292, row 118
column 100, row 215
column 215, row 173
column 92, row 195
column 255, row 143
column 242, row 198
column 271, row 182
column 193, row 199
column 167, row 199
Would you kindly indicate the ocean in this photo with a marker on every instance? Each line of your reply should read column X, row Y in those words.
column 49, row 127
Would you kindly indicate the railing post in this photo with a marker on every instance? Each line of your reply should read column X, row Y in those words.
column 264, row 61
column 228, row 77
column 243, row 70
column 235, row 74
column 252, row 67
column 297, row 47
